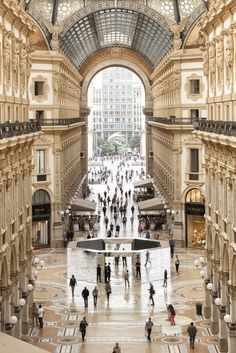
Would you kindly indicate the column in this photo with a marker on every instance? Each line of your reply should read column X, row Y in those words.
column 207, row 303
column 222, row 311
column 232, row 326
column 214, row 294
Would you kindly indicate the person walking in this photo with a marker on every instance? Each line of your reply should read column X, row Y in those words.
column 35, row 314
column 147, row 258
column 73, row 283
column 109, row 272
column 85, row 295
column 116, row 348
column 138, row 269
column 99, row 273
column 82, row 327
column 108, row 290
column 106, row 220
column 126, row 278
column 151, row 293
column 40, row 315
column 148, row 328
column 124, row 260
column 95, row 296
column 192, row 331
column 132, row 209
column 172, row 314
column 177, row 263
column 165, row 279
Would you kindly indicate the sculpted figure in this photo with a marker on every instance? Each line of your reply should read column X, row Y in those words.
column 212, row 60
column 229, row 58
column 220, row 61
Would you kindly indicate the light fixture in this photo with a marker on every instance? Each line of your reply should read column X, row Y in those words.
column 13, row 320
column 201, row 259
column 196, row 262
column 22, row 302
column 168, row 211
column 67, row 211
column 173, row 212
column 36, row 261
column 62, row 213
column 41, row 263
column 218, row 301
column 203, row 273
column 227, row 318
column 165, row 207
column 35, row 273
column 30, row 287
column 69, row 206
column 210, row 286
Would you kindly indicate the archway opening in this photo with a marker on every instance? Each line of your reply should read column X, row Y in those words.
column 116, row 124
column 41, row 217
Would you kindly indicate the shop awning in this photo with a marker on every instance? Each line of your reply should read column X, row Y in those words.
column 151, row 204
column 83, row 205
column 144, row 183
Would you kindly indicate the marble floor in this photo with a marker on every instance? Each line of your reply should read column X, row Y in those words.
column 123, row 319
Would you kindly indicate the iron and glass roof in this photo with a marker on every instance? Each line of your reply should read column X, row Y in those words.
column 101, row 24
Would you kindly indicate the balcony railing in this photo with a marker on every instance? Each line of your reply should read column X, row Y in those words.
column 61, row 122
column 227, row 128
column 172, row 120
column 17, row 128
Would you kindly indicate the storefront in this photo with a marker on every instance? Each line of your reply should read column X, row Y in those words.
column 41, row 216
column 194, row 219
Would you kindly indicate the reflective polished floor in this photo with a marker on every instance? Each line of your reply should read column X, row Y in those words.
column 123, row 318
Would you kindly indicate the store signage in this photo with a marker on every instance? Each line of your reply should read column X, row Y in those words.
column 194, row 209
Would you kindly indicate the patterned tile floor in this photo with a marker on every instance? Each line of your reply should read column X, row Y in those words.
column 123, row 320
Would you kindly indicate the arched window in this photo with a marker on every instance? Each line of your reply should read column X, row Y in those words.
column 195, row 195
column 41, row 197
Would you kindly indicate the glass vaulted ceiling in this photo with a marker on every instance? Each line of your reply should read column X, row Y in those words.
column 115, row 26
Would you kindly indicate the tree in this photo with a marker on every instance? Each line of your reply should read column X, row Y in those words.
column 134, row 141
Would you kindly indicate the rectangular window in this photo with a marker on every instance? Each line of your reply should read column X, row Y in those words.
column 194, row 86
column 38, row 88
column 39, row 114
column 194, row 113
column 40, row 163
column 194, row 164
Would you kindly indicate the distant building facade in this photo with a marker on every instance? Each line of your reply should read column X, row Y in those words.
column 116, row 98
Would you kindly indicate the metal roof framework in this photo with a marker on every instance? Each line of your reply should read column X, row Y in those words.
column 122, row 24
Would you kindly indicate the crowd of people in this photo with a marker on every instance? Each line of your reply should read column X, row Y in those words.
column 117, row 208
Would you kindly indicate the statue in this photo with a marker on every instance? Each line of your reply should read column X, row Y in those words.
column 6, row 57
column 220, row 61
column 55, row 31
column 15, row 61
column 212, row 61
column 229, row 58
column 177, row 29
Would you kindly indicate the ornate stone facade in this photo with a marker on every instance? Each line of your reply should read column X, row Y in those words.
column 17, row 138
column 61, row 148
column 171, row 138
column 220, row 169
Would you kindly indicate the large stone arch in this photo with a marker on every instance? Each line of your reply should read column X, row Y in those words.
column 225, row 259
column 216, row 249
column 233, row 271
column 209, row 238
column 121, row 61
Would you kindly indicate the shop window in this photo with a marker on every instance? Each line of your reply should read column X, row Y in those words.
column 194, row 86
column 38, row 88
column 195, row 195
column 194, row 164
